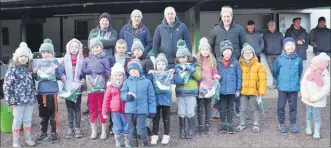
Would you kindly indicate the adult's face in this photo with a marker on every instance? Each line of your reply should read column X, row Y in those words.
column 271, row 27
column 297, row 23
column 226, row 18
column 321, row 24
column 170, row 15
column 104, row 23
column 135, row 19
column 250, row 28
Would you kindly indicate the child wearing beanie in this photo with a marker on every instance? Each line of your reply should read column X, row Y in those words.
column 287, row 70
column 96, row 67
column 315, row 87
column 187, row 75
column 254, row 84
column 47, row 90
column 230, row 85
column 162, row 80
column 209, row 74
column 20, row 93
column 137, row 49
column 137, row 89
column 113, row 104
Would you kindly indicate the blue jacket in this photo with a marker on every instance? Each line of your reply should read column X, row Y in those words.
column 144, row 103
column 287, row 70
column 98, row 64
column 165, row 39
column 230, row 81
column 128, row 34
column 49, row 87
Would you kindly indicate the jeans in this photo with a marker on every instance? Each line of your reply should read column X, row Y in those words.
column 120, row 123
column 292, row 98
column 22, row 114
column 313, row 113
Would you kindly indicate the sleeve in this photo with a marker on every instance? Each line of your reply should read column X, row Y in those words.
column 306, row 43
column 212, row 41
column 288, row 33
column 106, row 101
column 197, row 73
column 214, row 73
column 149, row 65
column 8, row 89
column 261, row 43
column 300, row 68
column 303, row 86
column 61, row 69
column 264, row 41
column 151, row 99
column 84, row 67
column 312, row 38
column 57, row 70
column 242, row 36
column 124, row 92
column 110, row 43
column 187, row 38
column 239, row 78
column 262, row 80
column 177, row 79
column 90, row 36
column 121, row 35
column 275, row 69
column 325, row 90
column 107, row 67
column 148, row 41
column 156, row 41
column 281, row 40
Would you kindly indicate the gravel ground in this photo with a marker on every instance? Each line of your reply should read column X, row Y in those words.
column 268, row 137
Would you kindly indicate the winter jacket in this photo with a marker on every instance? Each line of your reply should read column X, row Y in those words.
column 191, row 87
column 207, row 73
column 108, row 39
column 320, row 39
column 144, row 102
column 255, row 40
column 49, row 87
column 273, row 43
column 146, row 63
column 112, row 101
column 98, row 64
column 254, row 78
column 165, row 39
column 18, row 86
column 236, row 35
column 230, row 82
column 287, row 70
column 300, row 34
column 309, row 89
column 128, row 33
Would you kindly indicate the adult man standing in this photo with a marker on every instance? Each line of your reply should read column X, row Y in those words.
column 320, row 38
column 168, row 33
column 273, row 46
column 254, row 39
column 227, row 29
column 135, row 29
column 301, row 37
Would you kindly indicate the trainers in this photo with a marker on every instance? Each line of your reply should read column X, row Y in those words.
column 78, row 134
column 230, row 130
column 42, row 137
column 111, row 132
column 70, row 133
column 272, row 87
column 54, row 138
column 165, row 139
column 256, row 128
column 283, row 128
column 223, row 129
column 149, row 132
column 154, row 139
column 294, row 128
column 86, row 112
column 241, row 127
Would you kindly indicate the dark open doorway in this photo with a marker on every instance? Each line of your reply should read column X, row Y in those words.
column 34, row 35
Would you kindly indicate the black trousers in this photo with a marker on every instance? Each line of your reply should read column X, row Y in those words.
column 204, row 104
column 165, row 111
column 225, row 107
column 48, row 108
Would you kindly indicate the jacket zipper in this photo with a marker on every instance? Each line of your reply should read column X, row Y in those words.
column 136, row 95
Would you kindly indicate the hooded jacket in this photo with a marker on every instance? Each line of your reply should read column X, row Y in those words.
column 300, row 34
column 320, row 39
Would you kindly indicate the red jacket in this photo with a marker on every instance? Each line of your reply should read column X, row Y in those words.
column 112, row 101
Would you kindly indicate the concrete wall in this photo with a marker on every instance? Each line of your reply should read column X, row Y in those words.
column 15, row 36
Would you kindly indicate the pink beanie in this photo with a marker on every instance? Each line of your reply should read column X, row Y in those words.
column 322, row 60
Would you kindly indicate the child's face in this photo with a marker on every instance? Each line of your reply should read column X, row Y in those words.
column 121, row 49
column 182, row 60
column 46, row 55
column 137, row 52
column 23, row 60
column 289, row 47
column 134, row 73
column 313, row 67
column 248, row 55
column 96, row 49
column 227, row 53
column 161, row 65
column 205, row 51
column 74, row 48
column 118, row 76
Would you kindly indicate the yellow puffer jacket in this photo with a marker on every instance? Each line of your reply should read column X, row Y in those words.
column 254, row 78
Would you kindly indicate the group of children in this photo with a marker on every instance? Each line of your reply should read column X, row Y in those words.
column 134, row 90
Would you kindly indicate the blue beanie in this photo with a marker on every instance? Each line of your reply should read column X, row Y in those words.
column 288, row 39
column 135, row 64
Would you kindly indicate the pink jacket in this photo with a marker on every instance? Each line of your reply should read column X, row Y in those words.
column 208, row 73
column 112, row 101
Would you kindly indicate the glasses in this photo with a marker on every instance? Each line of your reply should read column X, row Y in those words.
column 248, row 53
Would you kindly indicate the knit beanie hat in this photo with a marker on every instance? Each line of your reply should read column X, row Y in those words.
column 246, row 46
column 105, row 15
column 161, row 57
column 204, row 43
column 95, row 42
column 182, row 49
column 22, row 50
column 135, row 64
column 118, row 67
column 226, row 44
column 288, row 39
column 226, row 9
column 47, row 46
column 137, row 44
column 322, row 60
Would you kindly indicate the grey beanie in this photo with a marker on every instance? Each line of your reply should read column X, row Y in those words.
column 161, row 57
column 94, row 42
column 182, row 49
column 22, row 50
column 246, row 46
column 47, row 46
column 137, row 44
column 226, row 44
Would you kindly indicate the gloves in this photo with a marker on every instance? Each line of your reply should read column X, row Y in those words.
column 178, row 68
column 151, row 115
column 190, row 68
column 130, row 97
column 88, row 71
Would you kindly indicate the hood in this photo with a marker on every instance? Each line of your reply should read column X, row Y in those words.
column 292, row 56
column 142, row 76
column 80, row 48
column 164, row 21
column 110, row 28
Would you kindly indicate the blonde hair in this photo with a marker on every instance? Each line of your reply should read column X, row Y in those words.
column 121, row 42
column 210, row 58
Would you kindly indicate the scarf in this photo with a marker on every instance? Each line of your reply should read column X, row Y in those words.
column 114, row 83
column 74, row 61
column 316, row 76
column 226, row 62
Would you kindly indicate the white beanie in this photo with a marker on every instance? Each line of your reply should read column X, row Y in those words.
column 227, row 9
column 22, row 50
column 204, row 43
column 118, row 67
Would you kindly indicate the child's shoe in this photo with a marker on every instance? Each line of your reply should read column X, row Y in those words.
column 28, row 139
column 103, row 135
column 317, row 127
column 42, row 137
column 308, row 128
column 294, row 128
column 117, row 140
column 16, row 140
column 206, row 130
column 154, row 139
column 230, row 129
column 223, row 128
column 94, row 133
column 256, row 128
column 241, row 127
column 283, row 128
column 70, row 133
column 200, row 129
column 78, row 134
column 54, row 138
column 165, row 139
column 126, row 140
